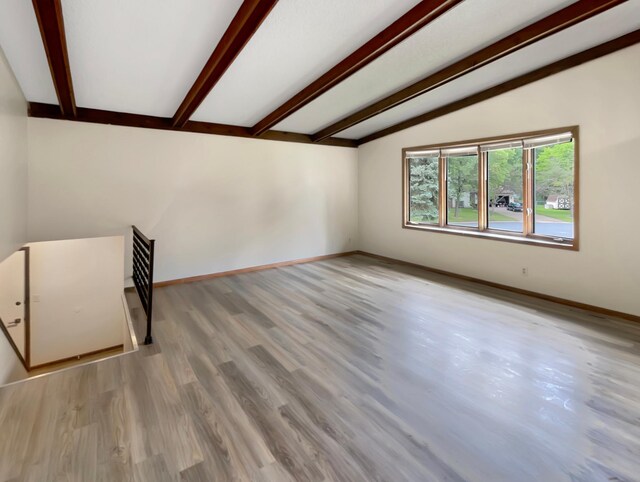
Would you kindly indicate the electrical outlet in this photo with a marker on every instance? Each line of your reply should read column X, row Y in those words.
column 35, row 298
column 525, row 271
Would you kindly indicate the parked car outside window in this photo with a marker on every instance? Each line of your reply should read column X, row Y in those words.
column 515, row 207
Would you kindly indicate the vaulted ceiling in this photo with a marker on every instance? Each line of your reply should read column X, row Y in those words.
column 338, row 72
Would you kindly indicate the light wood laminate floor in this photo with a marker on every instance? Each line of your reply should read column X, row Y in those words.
column 348, row 369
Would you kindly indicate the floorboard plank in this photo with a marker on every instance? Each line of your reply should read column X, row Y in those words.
column 349, row 369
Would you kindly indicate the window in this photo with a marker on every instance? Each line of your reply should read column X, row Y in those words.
column 424, row 188
column 505, row 189
column 553, row 167
column 462, row 187
column 519, row 188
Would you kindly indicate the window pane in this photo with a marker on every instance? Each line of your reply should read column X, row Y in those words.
column 553, row 190
column 423, row 190
column 462, row 190
column 505, row 210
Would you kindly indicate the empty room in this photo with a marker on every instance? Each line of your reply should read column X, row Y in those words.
column 320, row 240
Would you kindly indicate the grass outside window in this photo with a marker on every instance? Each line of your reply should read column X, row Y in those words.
column 521, row 188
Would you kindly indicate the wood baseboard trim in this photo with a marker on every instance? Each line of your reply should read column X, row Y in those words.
column 77, row 357
column 520, row 291
column 250, row 269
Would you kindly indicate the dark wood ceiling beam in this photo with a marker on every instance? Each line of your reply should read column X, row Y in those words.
column 412, row 21
column 51, row 23
column 554, row 23
column 567, row 63
column 97, row 116
column 246, row 22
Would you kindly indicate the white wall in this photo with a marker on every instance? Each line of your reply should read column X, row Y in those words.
column 602, row 97
column 13, row 162
column 13, row 191
column 12, row 290
column 219, row 203
column 213, row 203
column 76, row 297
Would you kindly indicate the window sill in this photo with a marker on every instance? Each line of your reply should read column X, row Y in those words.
column 569, row 245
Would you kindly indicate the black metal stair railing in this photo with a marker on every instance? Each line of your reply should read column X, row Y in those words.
column 143, row 255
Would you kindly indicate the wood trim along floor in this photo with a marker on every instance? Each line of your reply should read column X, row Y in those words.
column 249, row 269
column 534, row 294
column 236, row 387
column 76, row 357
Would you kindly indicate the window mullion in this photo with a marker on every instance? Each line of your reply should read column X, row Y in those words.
column 482, row 191
column 544, row 164
column 406, row 190
column 443, row 191
column 529, row 201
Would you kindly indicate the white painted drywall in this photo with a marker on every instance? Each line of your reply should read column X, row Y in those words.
column 220, row 203
column 76, row 297
column 13, row 162
column 13, row 192
column 602, row 97
column 212, row 203
column 12, row 290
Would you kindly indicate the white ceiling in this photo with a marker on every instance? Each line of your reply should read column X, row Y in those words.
column 20, row 40
column 592, row 32
column 459, row 32
column 298, row 42
column 142, row 56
